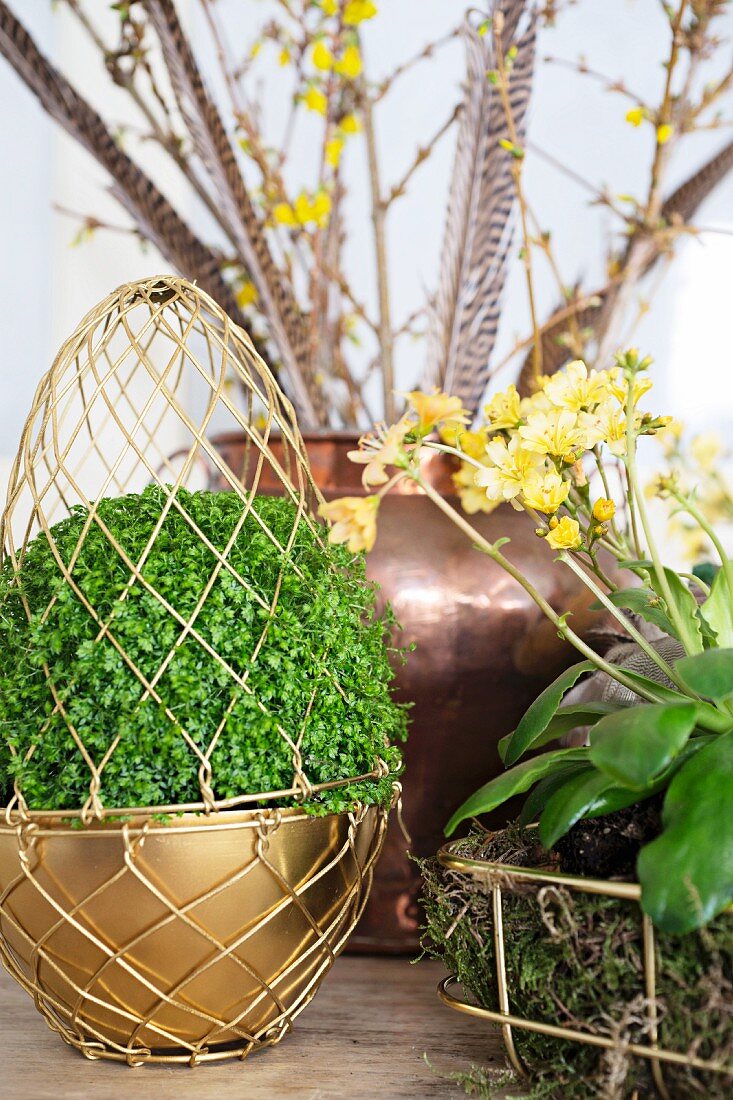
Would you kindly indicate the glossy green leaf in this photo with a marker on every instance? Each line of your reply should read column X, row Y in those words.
column 710, row 674
column 570, row 803
column 536, row 719
column 686, row 874
column 537, row 798
column 718, row 610
column 618, row 798
column 707, row 716
column 563, row 721
column 644, row 602
column 634, row 745
column 515, row 781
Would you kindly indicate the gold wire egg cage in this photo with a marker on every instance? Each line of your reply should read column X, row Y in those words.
column 198, row 930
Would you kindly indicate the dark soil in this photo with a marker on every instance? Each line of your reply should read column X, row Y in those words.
column 607, row 847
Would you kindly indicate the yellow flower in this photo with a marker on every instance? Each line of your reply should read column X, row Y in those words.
column 635, row 116
column 471, row 443
column 354, row 521
column 511, row 469
column 284, row 58
column 357, row 11
column 315, row 100
column 316, row 209
column 255, row 50
column 472, row 497
column 556, row 433
column 349, row 65
column 283, row 214
column 565, row 535
column 707, row 448
column 380, row 450
column 329, row 7
column 664, row 133
column 547, row 493
column 575, row 389
column 247, row 294
column 435, row 408
column 504, row 410
column 334, row 149
column 619, row 386
column 350, row 124
column 607, row 425
column 322, row 57
column 604, row 509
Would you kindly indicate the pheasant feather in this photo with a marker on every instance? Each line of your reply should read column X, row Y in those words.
column 478, row 233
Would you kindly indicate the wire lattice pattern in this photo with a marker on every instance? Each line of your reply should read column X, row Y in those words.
column 187, row 942
column 105, row 421
column 498, row 879
column 203, row 935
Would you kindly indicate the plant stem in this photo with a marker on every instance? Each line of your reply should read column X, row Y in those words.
column 626, row 623
column 562, row 628
column 697, row 515
column 635, row 491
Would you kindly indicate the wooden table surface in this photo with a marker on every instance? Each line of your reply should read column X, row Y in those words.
column 365, row 1035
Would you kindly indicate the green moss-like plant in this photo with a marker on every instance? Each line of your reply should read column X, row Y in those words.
column 575, row 959
column 323, row 668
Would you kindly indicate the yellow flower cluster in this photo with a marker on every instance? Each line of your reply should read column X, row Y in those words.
column 306, row 210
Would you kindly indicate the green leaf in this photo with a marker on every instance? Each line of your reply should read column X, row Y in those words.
column 644, row 602
column 718, row 610
column 686, row 874
column 515, row 781
column 618, row 798
column 682, row 598
column 707, row 716
column 537, row 799
column 536, row 719
column 564, row 720
column 709, row 674
column 571, row 802
column 686, row 605
column 634, row 745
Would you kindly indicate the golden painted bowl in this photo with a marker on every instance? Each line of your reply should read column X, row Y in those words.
column 195, row 939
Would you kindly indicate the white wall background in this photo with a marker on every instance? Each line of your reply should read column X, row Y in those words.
column 46, row 286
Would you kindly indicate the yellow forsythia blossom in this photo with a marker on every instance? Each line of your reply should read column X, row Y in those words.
column 350, row 124
column 284, row 58
column 635, row 116
column 565, row 535
column 315, row 100
column 664, row 133
column 283, row 214
column 247, row 294
column 329, row 7
column 316, row 209
column 334, row 149
column 349, row 65
column 357, row 11
column 322, row 57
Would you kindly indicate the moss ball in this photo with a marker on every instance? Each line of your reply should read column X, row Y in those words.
column 285, row 638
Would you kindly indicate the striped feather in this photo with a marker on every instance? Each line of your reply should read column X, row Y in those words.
column 276, row 298
column 477, row 241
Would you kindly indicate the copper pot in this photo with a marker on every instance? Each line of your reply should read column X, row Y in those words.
column 483, row 652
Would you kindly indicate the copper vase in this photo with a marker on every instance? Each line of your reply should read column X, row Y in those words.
column 483, row 651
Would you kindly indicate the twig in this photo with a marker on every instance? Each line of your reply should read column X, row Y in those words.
column 421, row 156
column 379, row 212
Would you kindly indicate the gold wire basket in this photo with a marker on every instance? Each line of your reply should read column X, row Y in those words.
column 201, row 936
column 500, row 878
